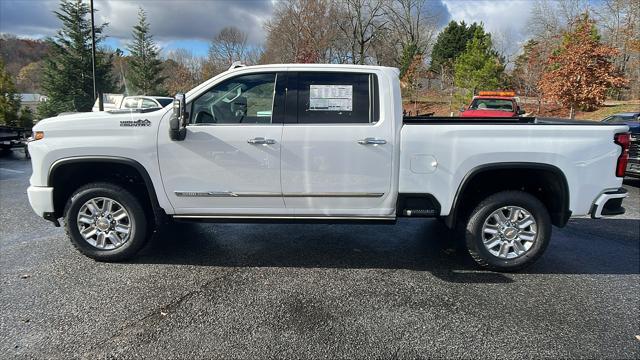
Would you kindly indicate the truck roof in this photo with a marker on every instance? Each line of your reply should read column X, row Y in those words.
column 315, row 66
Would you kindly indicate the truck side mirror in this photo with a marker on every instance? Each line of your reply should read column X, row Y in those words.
column 178, row 121
column 521, row 112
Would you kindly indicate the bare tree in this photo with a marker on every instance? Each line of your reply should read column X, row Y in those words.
column 361, row 23
column 619, row 21
column 413, row 23
column 385, row 47
column 550, row 18
column 228, row 46
column 187, row 60
column 301, row 31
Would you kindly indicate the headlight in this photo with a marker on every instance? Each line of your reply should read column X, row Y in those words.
column 38, row 135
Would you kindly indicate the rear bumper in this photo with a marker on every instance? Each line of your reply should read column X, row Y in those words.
column 609, row 203
column 41, row 199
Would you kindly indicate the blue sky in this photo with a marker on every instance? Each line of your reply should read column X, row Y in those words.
column 191, row 23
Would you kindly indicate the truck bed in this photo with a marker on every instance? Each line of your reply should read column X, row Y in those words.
column 436, row 120
column 437, row 158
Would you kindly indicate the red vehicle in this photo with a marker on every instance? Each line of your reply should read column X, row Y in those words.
column 493, row 104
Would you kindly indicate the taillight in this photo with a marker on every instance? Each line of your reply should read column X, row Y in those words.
column 623, row 140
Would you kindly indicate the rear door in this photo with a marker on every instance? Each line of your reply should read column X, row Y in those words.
column 337, row 151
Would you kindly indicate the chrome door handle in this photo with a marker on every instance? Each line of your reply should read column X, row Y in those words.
column 261, row 141
column 372, row 141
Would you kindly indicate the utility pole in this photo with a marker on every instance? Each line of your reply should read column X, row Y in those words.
column 96, row 92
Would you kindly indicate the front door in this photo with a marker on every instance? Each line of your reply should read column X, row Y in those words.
column 337, row 157
column 229, row 161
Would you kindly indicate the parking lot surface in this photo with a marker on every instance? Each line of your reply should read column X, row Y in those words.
column 313, row 291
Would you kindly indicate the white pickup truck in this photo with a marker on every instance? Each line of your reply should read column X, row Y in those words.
column 320, row 143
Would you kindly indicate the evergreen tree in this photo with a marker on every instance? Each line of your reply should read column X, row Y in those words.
column 145, row 66
column 409, row 54
column 451, row 42
column 478, row 67
column 26, row 118
column 9, row 100
column 67, row 77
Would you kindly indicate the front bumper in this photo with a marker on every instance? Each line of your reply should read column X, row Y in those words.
column 41, row 199
column 609, row 203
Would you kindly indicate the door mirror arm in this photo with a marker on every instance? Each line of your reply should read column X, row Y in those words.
column 178, row 121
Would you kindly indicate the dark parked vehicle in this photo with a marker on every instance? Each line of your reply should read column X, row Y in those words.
column 13, row 137
column 630, row 119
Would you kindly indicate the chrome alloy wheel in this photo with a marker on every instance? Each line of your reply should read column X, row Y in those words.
column 104, row 223
column 509, row 232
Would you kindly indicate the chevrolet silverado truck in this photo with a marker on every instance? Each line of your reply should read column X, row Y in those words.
column 493, row 104
column 320, row 143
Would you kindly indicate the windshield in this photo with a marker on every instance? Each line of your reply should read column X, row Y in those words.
column 620, row 119
column 491, row 104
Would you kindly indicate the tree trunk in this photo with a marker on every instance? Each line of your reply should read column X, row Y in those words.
column 572, row 112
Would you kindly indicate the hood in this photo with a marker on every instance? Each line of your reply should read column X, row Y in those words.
column 487, row 113
column 634, row 126
column 100, row 120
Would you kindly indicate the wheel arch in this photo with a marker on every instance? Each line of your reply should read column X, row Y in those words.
column 551, row 179
column 62, row 170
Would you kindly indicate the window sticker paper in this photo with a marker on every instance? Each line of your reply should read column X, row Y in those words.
column 330, row 97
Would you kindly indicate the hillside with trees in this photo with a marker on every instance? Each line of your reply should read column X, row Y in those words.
column 23, row 61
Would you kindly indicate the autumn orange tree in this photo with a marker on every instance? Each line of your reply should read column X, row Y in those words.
column 581, row 70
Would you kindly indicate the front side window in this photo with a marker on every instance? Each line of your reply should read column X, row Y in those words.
column 336, row 98
column 245, row 99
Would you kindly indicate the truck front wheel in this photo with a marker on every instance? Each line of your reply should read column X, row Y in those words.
column 508, row 231
column 105, row 222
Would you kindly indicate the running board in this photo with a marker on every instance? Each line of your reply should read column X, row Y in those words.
column 287, row 219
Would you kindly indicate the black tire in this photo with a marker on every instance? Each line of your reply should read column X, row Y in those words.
column 474, row 236
column 137, row 217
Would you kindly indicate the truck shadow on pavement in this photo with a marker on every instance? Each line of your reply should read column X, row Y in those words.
column 584, row 247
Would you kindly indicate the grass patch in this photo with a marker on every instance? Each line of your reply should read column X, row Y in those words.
column 607, row 110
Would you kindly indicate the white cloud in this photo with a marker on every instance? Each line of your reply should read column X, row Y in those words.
column 169, row 20
column 505, row 15
column 506, row 20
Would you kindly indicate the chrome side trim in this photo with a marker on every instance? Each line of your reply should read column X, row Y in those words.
column 273, row 194
column 334, row 194
column 284, row 217
column 225, row 194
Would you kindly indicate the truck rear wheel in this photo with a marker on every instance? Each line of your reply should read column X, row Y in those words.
column 508, row 231
column 105, row 222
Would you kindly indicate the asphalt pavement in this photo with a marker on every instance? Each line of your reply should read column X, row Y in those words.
column 313, row 291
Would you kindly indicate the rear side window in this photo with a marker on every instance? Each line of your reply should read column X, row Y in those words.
column 337, row 98
column 131, row 103
column 148, row 104
column 165, row 102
